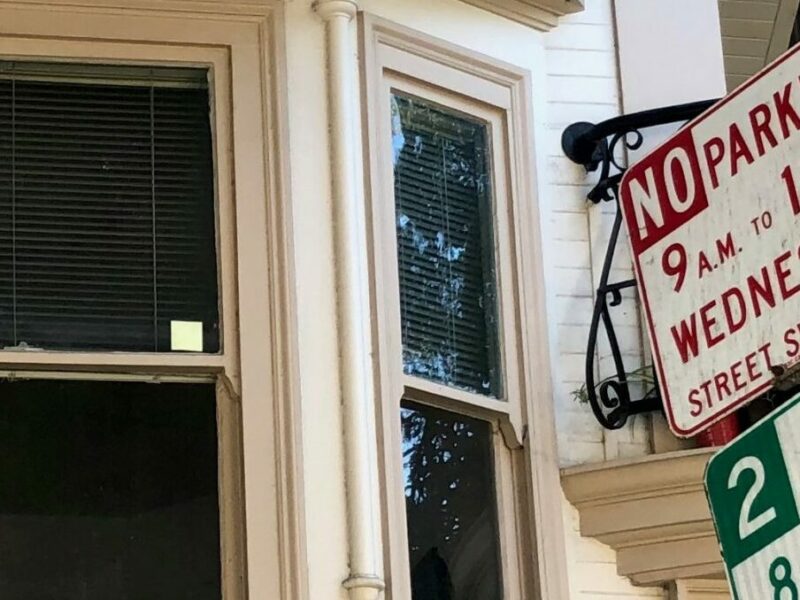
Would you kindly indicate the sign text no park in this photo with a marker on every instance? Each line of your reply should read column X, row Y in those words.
column 753, row 488
column 714, row 221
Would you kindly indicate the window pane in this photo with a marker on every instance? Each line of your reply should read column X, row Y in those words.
column 450, row 506
column 108, row 490
column 106, row 214
column 444, row 234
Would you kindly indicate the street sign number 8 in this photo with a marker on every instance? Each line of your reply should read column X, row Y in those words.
column 748, row 526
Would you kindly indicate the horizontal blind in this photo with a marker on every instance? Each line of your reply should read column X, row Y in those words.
column 445, row 248
column 106, row 213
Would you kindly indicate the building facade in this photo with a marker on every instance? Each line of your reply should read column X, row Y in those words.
column 296, row 298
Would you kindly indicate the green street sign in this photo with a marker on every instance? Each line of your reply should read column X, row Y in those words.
column 753, row 489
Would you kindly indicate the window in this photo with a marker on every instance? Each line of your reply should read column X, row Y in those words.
column 109, row 484
column 106, row 207
column 108, row 490
column 458, row 312
column 450, row 508
column 442, row 187
column 442, row 192
column 231, row 68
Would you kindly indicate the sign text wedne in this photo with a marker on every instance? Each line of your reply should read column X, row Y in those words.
column 714, row 222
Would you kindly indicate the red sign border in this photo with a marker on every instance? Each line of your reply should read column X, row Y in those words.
column 685, row 433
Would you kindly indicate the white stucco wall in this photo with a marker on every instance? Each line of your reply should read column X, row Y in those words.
column 574, row 77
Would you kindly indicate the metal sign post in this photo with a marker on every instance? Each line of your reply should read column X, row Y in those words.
column 713, row 216
column 753, row 488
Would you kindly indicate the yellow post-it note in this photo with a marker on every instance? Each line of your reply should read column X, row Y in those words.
column 186, row 335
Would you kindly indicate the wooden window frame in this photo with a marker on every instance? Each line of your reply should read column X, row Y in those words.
column 255, row 370
column 395, row 58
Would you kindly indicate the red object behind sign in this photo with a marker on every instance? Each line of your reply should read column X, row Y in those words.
column 720, row 433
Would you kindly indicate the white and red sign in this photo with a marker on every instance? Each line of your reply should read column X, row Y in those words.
column 714, row 222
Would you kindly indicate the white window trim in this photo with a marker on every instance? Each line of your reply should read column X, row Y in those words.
column 528, row 490
column 256, row 372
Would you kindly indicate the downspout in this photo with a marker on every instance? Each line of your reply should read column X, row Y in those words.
column 355, row 365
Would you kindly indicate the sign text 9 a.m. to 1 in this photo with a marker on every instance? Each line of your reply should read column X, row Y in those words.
column 714, row 221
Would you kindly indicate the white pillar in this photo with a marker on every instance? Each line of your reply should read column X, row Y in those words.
column 669, row 53
column 355, row 356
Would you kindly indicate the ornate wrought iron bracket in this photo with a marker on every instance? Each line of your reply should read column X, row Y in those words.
column 593, row 147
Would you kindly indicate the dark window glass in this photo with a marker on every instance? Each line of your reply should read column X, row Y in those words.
column 444, row 235
column 108, row 490
column 107, row 219
column 450, row 506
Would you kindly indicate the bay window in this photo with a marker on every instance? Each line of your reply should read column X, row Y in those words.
column 456, row 321
column 147, row 337
column 108, row 244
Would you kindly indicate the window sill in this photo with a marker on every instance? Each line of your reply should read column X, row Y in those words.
column 539, row 14
column 652, row 511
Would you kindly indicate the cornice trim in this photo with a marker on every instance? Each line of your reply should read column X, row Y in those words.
column 328, row 9
column 232, row 8
column 652, row 511
column 643, row 477
column 538, row 14
column 699, row 589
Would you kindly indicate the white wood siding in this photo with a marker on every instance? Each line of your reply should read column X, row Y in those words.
column 582, row 84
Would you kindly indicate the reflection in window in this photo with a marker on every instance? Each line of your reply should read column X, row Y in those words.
column 444, row 223
column 450, row 506
column 108, row 490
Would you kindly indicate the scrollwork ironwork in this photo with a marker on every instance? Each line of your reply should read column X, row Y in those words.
column 593, row 147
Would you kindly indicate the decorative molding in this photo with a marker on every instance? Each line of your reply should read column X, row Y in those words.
column 539, row 14
column 259, row 9
column 652, row 511
column 328, row 9
column 699, row 589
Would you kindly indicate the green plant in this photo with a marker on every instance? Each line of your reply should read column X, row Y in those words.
column 643, row 375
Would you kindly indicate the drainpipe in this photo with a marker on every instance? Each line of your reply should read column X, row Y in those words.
column 355, row 360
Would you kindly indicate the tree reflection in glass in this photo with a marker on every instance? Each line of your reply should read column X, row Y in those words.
column 443, row 200
column 450, row 505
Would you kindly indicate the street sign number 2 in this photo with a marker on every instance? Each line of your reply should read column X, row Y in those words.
column 780, row 571
column 748, row 526
column 753, row 487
